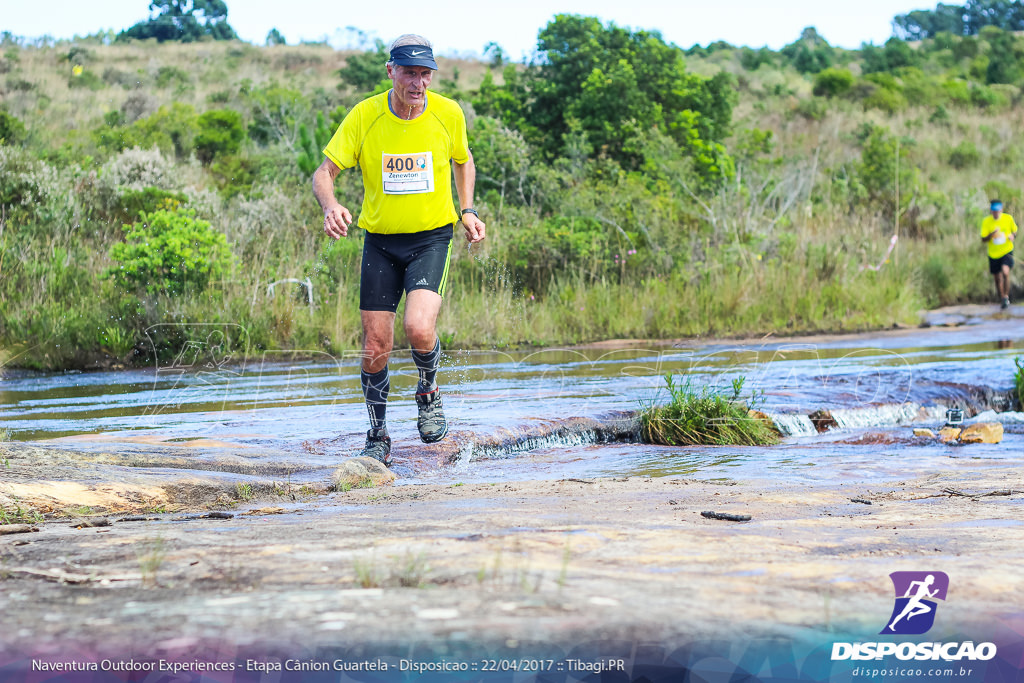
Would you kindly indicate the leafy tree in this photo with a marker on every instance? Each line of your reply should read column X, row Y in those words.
column 275, row 114
column 1003, row 56
column 275, row 38
column 611, row 84
column 495, row 55
column 1005, row 14
column 220, row 133
column 921, row 24
column 365, row 70
column 506, row 102
column 810, row 53
column 183, row 20
column 893, row 55
column 964, row 20
column 877, row 169
column 751, row 59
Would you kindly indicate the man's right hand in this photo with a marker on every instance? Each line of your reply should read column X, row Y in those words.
column 336, row 221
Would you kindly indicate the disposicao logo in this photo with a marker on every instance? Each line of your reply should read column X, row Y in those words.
column 916, row 593
column 913, row 614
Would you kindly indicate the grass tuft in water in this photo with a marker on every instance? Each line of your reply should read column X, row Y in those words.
column 704, row 416
column 1018, row 383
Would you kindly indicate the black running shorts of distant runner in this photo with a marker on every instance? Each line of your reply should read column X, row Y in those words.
column 995, row 265
column 403, row 262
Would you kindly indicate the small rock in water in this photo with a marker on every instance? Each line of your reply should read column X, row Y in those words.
column 982, row 432
column 822, row 420
column 920, row 431
column 949, row 434
column 366, row 472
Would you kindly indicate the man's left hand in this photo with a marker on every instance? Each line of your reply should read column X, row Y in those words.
column 475, row 228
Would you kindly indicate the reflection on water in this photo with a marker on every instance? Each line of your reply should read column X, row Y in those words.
column 277, row 404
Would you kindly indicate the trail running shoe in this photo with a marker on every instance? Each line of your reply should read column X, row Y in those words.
column 378, row 446
column 1006, row 302
column 431, row 423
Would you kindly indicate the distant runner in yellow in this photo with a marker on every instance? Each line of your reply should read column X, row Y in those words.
column 404, row 142
column 998, row 231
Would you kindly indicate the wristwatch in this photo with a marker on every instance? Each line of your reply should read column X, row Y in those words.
column 472, row 211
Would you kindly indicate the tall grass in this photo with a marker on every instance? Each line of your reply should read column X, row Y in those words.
column 1018, row 382
column 785, row 249
column 704, row 416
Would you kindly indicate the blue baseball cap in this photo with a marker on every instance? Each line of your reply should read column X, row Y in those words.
column 996, row 206
column 414, row 55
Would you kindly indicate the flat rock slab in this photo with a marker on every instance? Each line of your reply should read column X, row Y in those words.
column 555, row 562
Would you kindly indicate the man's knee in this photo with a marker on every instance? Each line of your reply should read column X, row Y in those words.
column 420, row 330
column 376, row 350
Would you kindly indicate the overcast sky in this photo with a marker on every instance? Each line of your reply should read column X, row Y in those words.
column 465, row 27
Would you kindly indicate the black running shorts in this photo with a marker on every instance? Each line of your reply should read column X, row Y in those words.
column 995, row 265
column 406, row 261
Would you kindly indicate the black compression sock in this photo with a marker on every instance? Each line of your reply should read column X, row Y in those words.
column 427, row 364
column 375, row 390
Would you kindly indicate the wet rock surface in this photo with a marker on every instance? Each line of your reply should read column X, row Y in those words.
column 554, row 561
column 982, row 432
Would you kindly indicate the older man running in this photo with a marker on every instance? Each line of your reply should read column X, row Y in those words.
column 403, row 142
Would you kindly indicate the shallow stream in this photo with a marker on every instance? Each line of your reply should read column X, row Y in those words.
column 503, row 407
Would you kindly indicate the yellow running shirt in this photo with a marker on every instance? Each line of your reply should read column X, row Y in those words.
column 999, row 246
column 406, row 165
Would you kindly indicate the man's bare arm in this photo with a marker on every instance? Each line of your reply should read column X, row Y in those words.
column 465, row 184
column 336, row 217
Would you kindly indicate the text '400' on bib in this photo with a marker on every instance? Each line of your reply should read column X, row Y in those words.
column 408, row 173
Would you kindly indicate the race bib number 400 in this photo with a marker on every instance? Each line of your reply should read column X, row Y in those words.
column 408, row 173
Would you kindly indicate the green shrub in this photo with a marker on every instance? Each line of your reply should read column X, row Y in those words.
column 1009, row 194
column 310, row 146
column 886, row 99
column 236, row 174
column 964, row 155
column 80, row 78
column 812, row 109
column 167, row 76
column 275, row 113
column 149, row 200
column 220, row 134
column 12, row 131
column 170, row 252
column 138, row 169
column 987, row 97
column 35, row 195
column 833, row 82
column 957, row 91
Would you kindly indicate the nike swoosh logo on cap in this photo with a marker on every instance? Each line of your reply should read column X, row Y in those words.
column 416, row 54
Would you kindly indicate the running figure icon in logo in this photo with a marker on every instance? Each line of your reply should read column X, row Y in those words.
column 916, row 592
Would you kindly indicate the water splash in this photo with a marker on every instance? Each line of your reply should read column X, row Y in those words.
column 887, row 415
column 793, row 424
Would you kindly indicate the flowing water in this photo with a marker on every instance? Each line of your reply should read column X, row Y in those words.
column 547, row 414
